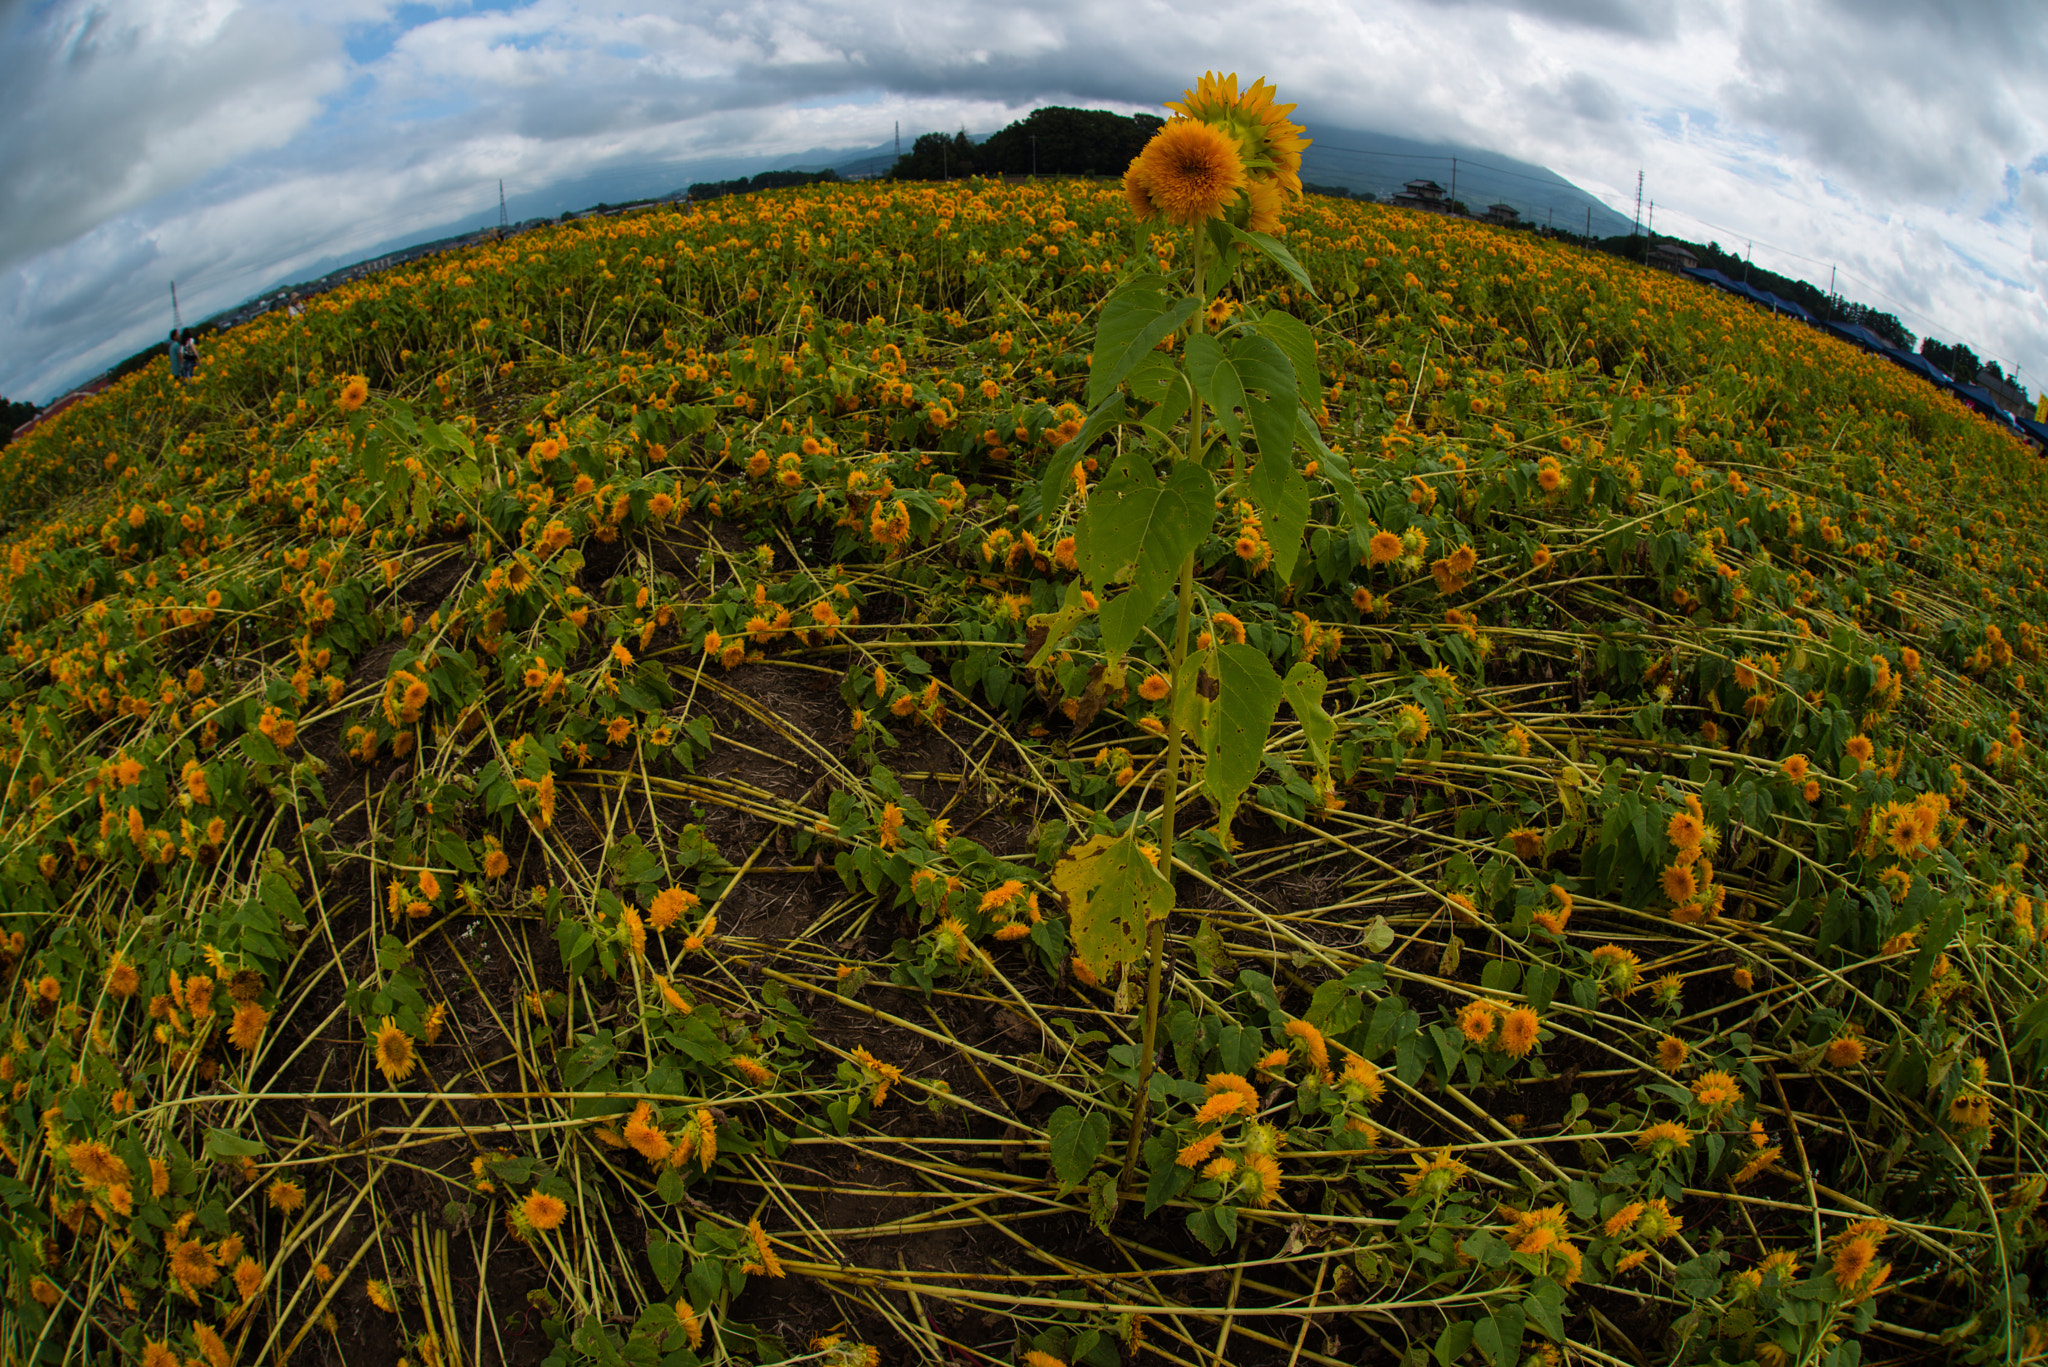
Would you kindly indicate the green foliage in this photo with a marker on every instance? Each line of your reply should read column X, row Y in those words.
column 700, row 756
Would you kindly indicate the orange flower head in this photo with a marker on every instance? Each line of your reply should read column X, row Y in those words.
column 544, row 1212
column 1190, row 171
column 1518, row 1031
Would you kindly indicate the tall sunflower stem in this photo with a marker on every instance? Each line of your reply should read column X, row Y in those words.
column 1155, row 933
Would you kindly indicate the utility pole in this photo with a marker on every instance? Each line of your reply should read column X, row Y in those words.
column 1454, row 180
column 176, row 320
column 1745, row 261
column 1831, row 292
column 899, row 139
column 1589, row 223
column 1034, row 154
column 504, row 219
column 1653, row 222
column 1636, row 228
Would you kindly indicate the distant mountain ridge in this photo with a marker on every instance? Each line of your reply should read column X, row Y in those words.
column 1382, row 163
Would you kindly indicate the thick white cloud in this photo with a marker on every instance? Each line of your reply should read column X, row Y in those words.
column 230, row 145
column 108, row 105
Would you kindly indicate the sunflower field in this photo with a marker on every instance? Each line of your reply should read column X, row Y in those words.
column 540, row 801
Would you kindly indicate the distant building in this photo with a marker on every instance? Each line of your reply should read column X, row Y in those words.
column 1506, row 215
column 2003, row 390
column 1669, row 256
column 1423, row 194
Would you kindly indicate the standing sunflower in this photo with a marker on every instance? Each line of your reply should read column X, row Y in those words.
column 1226, row 155
column 1271, row 142
column 1190, row 172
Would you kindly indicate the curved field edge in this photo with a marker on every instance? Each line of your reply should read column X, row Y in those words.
column 620, row 729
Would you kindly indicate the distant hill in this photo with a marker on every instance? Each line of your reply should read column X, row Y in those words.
column 1381, row 164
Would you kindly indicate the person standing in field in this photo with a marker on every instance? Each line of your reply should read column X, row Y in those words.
column 191, row 354
column 177, row 349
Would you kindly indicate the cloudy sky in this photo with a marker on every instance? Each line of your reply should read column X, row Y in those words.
column 231, row 145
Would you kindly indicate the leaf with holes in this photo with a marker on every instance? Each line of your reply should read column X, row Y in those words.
column 1112, row 892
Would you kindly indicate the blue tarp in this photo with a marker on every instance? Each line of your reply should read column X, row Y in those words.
column 2038, row 431
column 1919, row 365
column 1980, row 399
column 1860, row 335
column 1785, row 306
column 1707, row 275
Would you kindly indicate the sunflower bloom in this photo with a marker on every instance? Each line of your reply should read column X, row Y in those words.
column 1476, row 1021
column 1845, row 1051
column 96, row 1165
column 248, row 1277
column 1518, row 1031
column 192, row 1269
column 1272, row 143
column 769, row 1262
column 1262, row 1179
column 248, row 1026
column 391, row 1051
column 1664, row 1138
column 544, row 1212
column 693, row 1327
column 644, row 1136
column 1433, row 1177
column 1312, row 1044
column 1190, row 172
column 1758, row 1165
column 1220, row 1107
column 1716, row 1092
column 211, row 1345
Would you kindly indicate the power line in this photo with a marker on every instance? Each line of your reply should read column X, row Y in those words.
column 1870, row 285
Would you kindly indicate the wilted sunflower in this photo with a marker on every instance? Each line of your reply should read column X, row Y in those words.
column 96, row 1164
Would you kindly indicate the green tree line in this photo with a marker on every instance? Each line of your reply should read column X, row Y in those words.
column 1053, row 141
column 767, row 180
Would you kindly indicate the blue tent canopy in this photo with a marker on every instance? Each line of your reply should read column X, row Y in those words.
column 1709, row 276
column 1783, row 305
column 1919, row 365
column 1979, row 398
column 2038, row 431
column 1860, row 335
